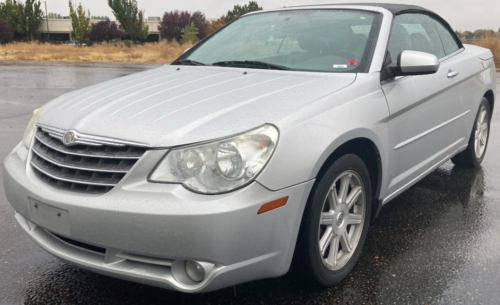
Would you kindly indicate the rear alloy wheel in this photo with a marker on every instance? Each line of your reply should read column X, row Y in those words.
column 336, row 220
column 478, row 141
column 481, row 132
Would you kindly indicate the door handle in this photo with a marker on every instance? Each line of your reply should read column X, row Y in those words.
column 453, row 73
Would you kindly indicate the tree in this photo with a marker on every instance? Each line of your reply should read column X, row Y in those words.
column 481, row 32
column 130, row 18
column 24, row 19
column 54, row 16
column 105, row 31
column 6, row 34
column 468, row 35
column 144, row 33
column 140, row 28
column 214, row 25
column 173, row 24
column 80, row 23
column 190, row 34
column 238, row 10
column 33, row 16
column 12, row 12
column 200, row 21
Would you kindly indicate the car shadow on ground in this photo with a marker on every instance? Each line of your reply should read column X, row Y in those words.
column 412, row 253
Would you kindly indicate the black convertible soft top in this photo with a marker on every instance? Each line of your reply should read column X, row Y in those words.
column 392, row 7
column 397, row 9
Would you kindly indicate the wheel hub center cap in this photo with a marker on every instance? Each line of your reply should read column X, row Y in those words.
column 340, row 219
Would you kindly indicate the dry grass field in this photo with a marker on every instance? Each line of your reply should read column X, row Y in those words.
column 491, row 42
column 147, row 53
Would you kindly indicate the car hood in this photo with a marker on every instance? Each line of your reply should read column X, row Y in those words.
column 174, row 105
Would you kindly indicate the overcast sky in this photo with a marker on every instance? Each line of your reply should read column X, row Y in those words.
column 461, row 14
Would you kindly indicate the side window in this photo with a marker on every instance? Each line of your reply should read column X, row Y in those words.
column 414, row 32
column 449, row 43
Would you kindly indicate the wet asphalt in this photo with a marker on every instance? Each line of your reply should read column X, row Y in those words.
column 437, row 243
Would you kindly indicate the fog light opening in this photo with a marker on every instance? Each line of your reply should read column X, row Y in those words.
column 191, row 272
column 195, row 271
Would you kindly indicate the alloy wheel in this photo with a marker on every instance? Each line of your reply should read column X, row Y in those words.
column 481, row 135
column 341, row 221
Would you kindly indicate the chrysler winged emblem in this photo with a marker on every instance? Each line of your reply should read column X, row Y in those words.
column 68, row 138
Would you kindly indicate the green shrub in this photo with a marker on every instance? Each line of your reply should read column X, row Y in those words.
column 190, row 34
column 128, row 43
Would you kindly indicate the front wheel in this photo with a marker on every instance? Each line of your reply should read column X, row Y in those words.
column 478, row 141
column 336, row 221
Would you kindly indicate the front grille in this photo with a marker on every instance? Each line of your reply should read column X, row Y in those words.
column 94, row 168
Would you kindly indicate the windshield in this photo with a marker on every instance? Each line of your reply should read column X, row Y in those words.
column 317, row 40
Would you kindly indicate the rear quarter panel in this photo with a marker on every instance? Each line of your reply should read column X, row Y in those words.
column 479, row 70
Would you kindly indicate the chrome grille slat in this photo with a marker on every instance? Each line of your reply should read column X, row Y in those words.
column 88, row 139
column 92, row 168
column 57, row 136
column 78, row 151
column 68, row 179
column 106, row 169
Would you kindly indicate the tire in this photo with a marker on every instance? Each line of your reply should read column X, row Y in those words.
column 326, row 266
column 473, row 155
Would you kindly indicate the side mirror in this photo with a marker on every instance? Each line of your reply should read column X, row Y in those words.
column 414, row 63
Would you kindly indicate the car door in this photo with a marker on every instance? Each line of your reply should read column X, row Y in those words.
column 468, row 66
column 424, row 109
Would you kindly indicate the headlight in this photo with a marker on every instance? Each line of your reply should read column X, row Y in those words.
column 219, row 166
column 30, row 130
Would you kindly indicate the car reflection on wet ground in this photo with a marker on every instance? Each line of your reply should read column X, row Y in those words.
column 437, row 243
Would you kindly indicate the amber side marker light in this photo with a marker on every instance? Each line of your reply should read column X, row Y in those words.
column 266, row 207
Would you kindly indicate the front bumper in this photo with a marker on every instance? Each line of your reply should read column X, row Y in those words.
column 160, row 222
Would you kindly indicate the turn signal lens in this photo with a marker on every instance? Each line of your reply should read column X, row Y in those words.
column 272, row 205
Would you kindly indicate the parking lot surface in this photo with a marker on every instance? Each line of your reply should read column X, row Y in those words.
column 438, row 243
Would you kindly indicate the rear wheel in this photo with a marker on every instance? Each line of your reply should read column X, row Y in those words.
column 336, row 221
column 478, row 141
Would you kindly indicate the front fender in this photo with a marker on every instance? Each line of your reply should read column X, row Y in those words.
column 308, row 138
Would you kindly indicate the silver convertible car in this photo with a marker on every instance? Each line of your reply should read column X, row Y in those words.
column 279, row 137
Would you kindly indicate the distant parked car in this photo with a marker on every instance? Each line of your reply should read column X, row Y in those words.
column 243, row 154
column 77, row 44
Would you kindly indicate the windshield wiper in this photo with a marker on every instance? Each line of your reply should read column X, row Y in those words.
column 189, row 62
column 250, row 64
